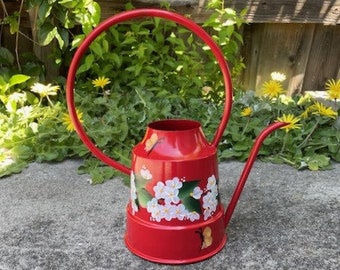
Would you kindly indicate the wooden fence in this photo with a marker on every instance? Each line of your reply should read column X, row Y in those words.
column 299, row 38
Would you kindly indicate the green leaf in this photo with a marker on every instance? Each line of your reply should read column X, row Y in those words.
column 15, row 167
column 317, row 162
column 17, row 79
column 13, row 23
column 191, row 204
column 187, row 189
column 89, row 59
column 6, row 57
column 95, row 11
column 143, row 197
column 97, row 49
column 44, row 11
column 47, row 32
column 77, row 40
column 22, row 152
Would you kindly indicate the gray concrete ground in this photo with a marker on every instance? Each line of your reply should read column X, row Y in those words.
column 52, row 218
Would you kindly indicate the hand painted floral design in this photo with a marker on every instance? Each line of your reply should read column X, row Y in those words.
column 133, row 193
column 210, row 198
column 174, row 198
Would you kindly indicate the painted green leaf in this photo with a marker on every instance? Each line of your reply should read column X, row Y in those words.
column 140, row 181
column 187, row 189
column 143, row 197
column 192, row 204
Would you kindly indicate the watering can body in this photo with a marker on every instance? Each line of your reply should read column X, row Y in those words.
column 174, row 214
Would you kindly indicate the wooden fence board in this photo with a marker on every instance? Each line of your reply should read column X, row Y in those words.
column 252, row 35
column 277, row 47
column 324, row 60
column 259, row 11
column 289, row 11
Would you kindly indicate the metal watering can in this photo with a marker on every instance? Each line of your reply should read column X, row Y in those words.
column 174, row 214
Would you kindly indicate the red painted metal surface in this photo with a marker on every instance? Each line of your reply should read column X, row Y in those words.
column 174, row 214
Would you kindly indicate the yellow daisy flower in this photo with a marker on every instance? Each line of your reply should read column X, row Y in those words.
column 101, row 82
column 246, row 111
column 306, row 112
column 333, row 89
column 291, row 120
column 68, row 122
column 272, row 89
column 320, row 109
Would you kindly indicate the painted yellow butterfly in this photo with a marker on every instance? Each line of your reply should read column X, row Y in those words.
column 206, row 237
column 151, row 142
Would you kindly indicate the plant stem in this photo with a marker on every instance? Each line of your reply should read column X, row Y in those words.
column 49, row 101
column 245, row 127
column 17, row 37
column 310, row 134
column 284, row 143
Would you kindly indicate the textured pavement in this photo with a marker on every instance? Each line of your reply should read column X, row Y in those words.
column 52, row 218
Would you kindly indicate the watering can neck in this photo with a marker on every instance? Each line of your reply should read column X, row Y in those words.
column 175, row 139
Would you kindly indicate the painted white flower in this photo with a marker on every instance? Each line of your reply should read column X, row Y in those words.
column 159, row 190
column 197, row 193
column 207, row 214
column 180, row 211
column 192, row 216
column 175, row 183
column 209, row 204
column 152, row 205
column 168, row 212
column 145, row 173
column 211, row 182
column 134, row 207
column 157, row 213
column 210, row 201
column 133, row 190
column 171, row 195
column 214, row 191
column 133, row 193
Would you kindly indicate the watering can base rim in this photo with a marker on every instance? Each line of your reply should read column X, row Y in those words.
column 175, row 261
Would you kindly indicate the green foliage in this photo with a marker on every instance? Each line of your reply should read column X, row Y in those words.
column 311, row 146
column 150, row 69
column 55, row 19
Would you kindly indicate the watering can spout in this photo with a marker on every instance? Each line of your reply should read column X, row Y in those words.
column 246, row 170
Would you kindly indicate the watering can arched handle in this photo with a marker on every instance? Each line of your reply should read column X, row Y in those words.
column 127, row 15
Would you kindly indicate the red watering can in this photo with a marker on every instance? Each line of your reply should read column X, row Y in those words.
column 174, row 214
